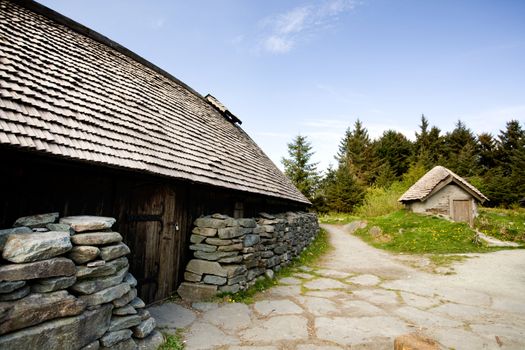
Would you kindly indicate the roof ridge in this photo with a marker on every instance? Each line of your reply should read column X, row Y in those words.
column 426, row 185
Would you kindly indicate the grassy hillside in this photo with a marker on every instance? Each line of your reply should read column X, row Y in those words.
column 504, row 224
column 406, row 232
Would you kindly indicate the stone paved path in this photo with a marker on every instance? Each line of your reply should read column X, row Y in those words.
column 359, row 297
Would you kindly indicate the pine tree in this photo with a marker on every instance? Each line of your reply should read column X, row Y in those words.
column 461, row 150
column 428, row 147
column 422, row 143
column 509, row 140
column 298, row 167
column 344, row 192
column 356, row 153
column 487, row 149
column 394, row 149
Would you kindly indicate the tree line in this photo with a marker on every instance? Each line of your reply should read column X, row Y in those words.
column 494, row 164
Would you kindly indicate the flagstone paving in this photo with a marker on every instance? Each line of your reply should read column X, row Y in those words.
column 359, row 297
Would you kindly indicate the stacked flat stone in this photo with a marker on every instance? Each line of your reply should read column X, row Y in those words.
column 66, row 285
column 231, row 254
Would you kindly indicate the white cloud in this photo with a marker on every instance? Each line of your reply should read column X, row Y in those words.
column 277, row 44
column 283, row 31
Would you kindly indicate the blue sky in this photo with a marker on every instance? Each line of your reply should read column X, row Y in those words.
column 314, row 67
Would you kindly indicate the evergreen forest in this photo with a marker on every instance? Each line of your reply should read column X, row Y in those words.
column 382, row 169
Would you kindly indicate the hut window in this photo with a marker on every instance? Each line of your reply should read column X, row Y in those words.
column 238, row 210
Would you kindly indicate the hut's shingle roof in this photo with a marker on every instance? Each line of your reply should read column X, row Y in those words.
column 70, row 92
column 425, row 186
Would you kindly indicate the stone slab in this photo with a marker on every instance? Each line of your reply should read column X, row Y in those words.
column 52, row 284
column 106, row 295
column 233, row 316
column 324, row 283
column 172, row 316
column 365, row 280
column 137, row 303
column 16, row 294
column 196, row 292
column 290, row 281
column 84, row 253
column 68, row 333
column 126, row 298
column 216, row 280
column 59, row 227
column 204, row 306
column 360, row 308
column 6, row 232
column 378, row 296
column 319, row 306
column 88, row 223
column 215, row 338
column 151, row 342
column 277, row 307
column 122, row 322
column 38, row 269
column 96, row 238
column 124, row 310
column 10, row 286
column 90, row 286
column 97, row 271
column 112, row 252
column 201, row 267
column 131, row 280
column 229, row 232
column 40, row 220
column 143, row 329
column 351, row 331
column 23, row 248
column 418, row 301
column 276, row 329
column 333, row 273
column 92, row 346
column 425, row 319
column 214, row 256
column 111, row 338
column 37, row 308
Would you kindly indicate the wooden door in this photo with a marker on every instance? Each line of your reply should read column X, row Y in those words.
column 150, row 232
column 462, row 211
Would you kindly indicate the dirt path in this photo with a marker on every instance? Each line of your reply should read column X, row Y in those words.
column 361, row 298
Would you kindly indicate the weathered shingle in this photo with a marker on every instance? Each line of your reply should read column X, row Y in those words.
column 421, row 190
column 67, row 94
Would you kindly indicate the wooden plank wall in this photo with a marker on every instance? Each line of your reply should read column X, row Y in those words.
column 154, row 214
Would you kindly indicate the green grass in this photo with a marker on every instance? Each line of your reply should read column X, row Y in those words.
column 337, row 218
column 406, row 232
column 172, row 342
column 309, row 256
column 381, row 201
column 503, row 224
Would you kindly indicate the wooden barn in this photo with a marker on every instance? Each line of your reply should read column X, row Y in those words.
column 88, row 127
column 441, row 191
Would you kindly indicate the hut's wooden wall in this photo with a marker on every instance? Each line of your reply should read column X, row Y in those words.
column 154, row 214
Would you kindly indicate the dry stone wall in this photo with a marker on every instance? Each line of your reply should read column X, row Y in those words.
column 230, row 254
column 64, row 284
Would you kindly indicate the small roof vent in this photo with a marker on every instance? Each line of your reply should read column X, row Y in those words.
column 222, row 109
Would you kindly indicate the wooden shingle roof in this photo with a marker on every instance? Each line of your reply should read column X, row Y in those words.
column 70, row 92
column 435, row 180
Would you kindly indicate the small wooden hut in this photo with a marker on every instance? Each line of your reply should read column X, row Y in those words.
column 89, row 127
column 441, row 191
